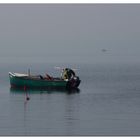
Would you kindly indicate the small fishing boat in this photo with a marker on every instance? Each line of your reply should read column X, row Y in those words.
column 19, row 80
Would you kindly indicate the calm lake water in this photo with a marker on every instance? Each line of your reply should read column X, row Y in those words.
column 107, row 103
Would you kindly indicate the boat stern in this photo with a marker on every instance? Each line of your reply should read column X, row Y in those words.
column 73, row 83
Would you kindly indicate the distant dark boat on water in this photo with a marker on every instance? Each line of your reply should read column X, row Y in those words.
column 68, row 80
column 104, row 50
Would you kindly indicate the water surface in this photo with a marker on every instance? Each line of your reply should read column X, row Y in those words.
column 107, row 103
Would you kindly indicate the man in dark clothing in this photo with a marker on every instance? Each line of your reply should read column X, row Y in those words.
column 68, row 73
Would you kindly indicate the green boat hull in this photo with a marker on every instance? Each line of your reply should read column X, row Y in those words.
column 27, row 82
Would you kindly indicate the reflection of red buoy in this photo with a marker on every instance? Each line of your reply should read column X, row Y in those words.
column 27, row 98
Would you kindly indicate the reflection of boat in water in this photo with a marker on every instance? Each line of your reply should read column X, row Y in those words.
column 44, row 91
column 68, row 80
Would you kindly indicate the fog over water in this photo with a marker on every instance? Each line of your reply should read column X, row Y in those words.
column 77, row 32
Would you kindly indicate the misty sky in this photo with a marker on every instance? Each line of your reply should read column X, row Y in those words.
column 70, row 32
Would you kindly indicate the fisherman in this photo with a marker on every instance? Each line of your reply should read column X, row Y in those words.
column 64, row 74
column 68, row 73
